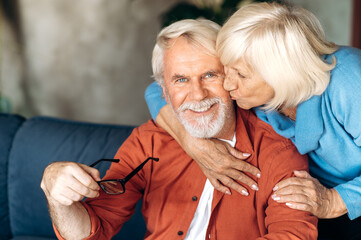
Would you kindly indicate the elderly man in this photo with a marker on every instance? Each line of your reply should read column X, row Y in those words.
column 178, row 200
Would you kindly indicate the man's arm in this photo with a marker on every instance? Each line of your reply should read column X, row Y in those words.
column 65, row 184
column 281, row 221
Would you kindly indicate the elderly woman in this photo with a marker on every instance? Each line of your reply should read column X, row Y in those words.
column 279, row 64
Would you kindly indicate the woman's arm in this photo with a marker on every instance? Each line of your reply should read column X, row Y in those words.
column 222, row 164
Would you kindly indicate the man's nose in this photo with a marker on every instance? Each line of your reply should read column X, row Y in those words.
column 198, row 91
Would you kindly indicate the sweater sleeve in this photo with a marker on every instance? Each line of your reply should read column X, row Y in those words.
column 345, row 95
column 154, row 98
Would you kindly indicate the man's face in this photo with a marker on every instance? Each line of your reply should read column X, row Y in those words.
column 193, row 84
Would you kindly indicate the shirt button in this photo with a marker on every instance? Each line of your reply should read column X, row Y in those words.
column 180, row 233
column 194, row 198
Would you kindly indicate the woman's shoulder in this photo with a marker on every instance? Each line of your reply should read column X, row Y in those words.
column 347, row 71
column 346, row 57
column 345, row 51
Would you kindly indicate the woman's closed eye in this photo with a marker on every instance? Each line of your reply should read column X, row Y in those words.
column 241, row 75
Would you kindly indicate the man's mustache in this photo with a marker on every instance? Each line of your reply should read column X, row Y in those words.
column 199, row 106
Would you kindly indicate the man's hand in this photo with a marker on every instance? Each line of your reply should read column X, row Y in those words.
column 69, row 182
column 222, row 164
column 306, row 193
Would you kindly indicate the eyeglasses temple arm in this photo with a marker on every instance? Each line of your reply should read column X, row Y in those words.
column 102, row 160
column 135, row 171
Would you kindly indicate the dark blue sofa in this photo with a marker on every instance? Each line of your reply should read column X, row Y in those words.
column 27, row 146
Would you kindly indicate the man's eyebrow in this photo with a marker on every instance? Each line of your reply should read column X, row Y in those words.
column 213, row 71
column 177, row 76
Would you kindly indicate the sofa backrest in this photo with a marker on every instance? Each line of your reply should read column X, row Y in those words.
column 9, row 125
column 42, row 140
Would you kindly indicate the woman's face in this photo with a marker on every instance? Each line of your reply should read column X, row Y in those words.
column 246, row 86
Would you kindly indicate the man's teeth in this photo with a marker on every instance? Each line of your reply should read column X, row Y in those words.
column 201, row 109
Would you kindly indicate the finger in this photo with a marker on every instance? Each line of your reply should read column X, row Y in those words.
column 300, row 206
column 66, row 196
column 82, row 174
column 83, row 190
column 63, row 200
column 247, row 167
column 219, row 187
column 291, row 189
column 229, row 182
column 290, row 181
column 297, row 198
column 302, row 174
column 94, row 173
column 237, row 154
column 242, row 178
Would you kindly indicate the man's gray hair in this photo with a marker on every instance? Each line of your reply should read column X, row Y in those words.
column 200, row 32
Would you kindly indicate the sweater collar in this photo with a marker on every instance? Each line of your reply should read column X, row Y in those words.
column 309, row 125
column 306, row 131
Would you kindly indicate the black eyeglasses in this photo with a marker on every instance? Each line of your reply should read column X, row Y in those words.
column 117, row 186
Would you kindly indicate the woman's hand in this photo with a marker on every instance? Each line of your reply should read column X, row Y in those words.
column 306, row 193
column 222, row 164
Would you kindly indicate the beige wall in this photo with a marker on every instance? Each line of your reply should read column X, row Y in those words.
column 90, row 59
column 335, row 17
column 83, row 59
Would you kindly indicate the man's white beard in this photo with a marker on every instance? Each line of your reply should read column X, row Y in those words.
column 204, row 126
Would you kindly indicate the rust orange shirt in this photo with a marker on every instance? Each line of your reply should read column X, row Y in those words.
column 172, row 187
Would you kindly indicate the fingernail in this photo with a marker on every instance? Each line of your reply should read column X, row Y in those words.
column 255, row 187
column 258, row 175
column 288, row 204
column 246, row 154
column 244, row 192
column 275, row 188
column 274, row 197
column 228, row 192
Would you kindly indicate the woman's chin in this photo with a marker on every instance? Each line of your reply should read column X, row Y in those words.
column 243, row 105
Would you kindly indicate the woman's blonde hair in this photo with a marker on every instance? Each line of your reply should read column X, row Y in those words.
column 200, row 32
column 284, row 44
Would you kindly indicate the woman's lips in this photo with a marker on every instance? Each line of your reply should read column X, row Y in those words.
column 232, row 97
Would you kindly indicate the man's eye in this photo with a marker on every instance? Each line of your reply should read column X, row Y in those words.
column 181, row 80
column 210, row 75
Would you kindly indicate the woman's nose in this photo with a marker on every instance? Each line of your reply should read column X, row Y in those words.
column 230, row 82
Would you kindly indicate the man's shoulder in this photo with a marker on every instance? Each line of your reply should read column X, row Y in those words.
column 271, row 149
column 150, row 128
column 150, row 134
column 146, row 140
column 255, row 126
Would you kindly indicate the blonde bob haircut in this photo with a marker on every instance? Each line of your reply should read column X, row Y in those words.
column 199, row 32
column 284, row 44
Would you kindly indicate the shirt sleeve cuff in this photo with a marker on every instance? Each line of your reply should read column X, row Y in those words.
column 154, row 98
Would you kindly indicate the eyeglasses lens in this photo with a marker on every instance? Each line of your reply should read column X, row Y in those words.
column 112, row 187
